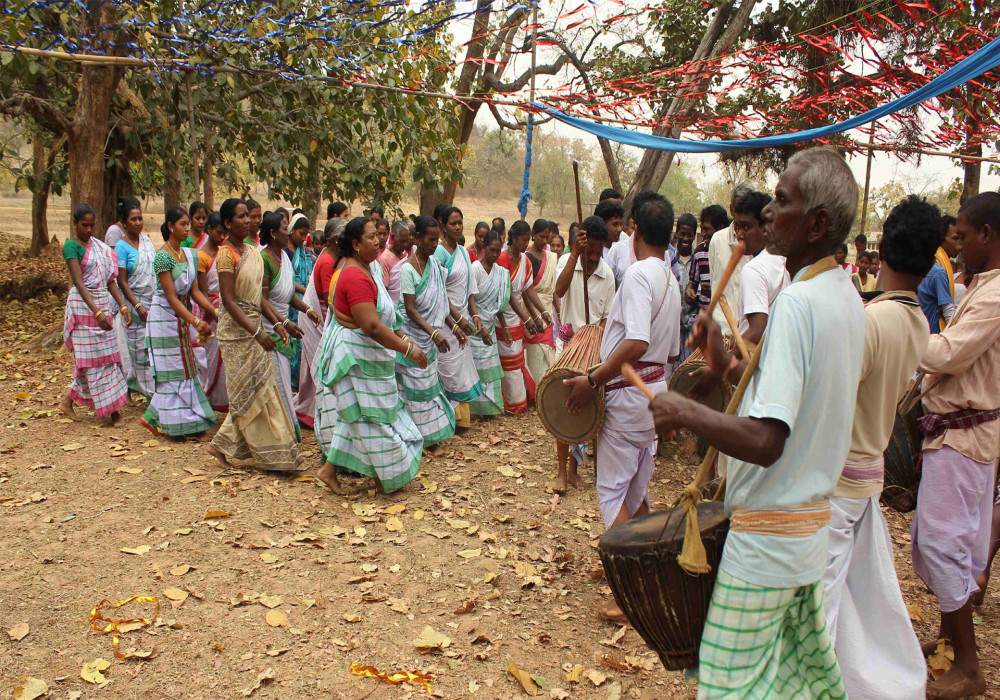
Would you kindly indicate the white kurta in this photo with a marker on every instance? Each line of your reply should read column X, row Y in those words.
column 458, row 369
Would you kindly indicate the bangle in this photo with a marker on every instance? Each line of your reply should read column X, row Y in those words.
column 435, row 334
column 409, row 349
column 123, row 308
column 260, row 327
column 98, row 313
column 285, row 323
column 455, row 328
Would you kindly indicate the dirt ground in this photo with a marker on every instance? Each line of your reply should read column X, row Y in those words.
column 289, row 585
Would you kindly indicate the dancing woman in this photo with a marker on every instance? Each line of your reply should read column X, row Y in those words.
column 137, row 282
column 213, row 374
column 88, row 323
column 540, row 348
column 492, row 297
column 518, row 385
column 425, row 308
column 258, row 426
column 129, row 217
column 458, row 370
column 373, row 435
column 302, row 259
column 198, row 213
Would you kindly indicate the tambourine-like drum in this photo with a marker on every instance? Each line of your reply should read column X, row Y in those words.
column 581, row 353
column 682, row 382
column 667, row 605
column 902, row 460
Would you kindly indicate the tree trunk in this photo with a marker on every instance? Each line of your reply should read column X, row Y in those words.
column 724, row 29
column 42, row 166
column 973, row 173
column 208, row 180
column 171, row 180
column 430, row 197
column 311, row 205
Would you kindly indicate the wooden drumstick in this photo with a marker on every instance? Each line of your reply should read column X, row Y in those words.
column 734, row 327
column 583, row 265
column 633, row 378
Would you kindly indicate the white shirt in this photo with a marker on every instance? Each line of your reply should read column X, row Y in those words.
column 600, row 288
column 646, row 307
column 621, row 255
column 720, row 249
column 807, row 379
column 760, row 282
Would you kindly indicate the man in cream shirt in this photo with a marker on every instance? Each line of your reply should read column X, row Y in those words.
column 720, row 249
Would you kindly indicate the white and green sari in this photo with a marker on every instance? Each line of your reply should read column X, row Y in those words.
column 458, row 370
column 142, row 282
column 373, row 434
column 491, row 299
column 280, row 290
column 421, row 388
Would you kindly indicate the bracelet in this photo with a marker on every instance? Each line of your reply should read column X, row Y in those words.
column 260, row 327
column 123, row 308
column 98, row 313
column 285, row 323
column 455, row 329
column 435, row 334
column 139, row 305
column 409, row 349
column 477, row 316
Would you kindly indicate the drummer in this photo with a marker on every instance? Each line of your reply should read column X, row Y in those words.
column 766, row 634
column 951, row 528
column 764, row 276
column 642, row 328
column 878, row 652
column 584, row 261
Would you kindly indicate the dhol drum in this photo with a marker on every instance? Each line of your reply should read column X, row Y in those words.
column 666, row 605
column 902, row 460
column 580, row 354
column 683, row 381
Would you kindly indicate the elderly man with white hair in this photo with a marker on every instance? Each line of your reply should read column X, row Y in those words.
column 765, row 635
column 720, row 249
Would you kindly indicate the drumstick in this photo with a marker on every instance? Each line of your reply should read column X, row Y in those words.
column 633, row 378
column 733, row 326
column 734, row 260
column 583, row 265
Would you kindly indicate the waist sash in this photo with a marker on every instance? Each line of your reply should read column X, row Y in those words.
column 800, row 521
column 933, row 424
column 649, row 372
column 871, row 470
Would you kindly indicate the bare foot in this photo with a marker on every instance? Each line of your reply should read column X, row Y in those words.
column 597, row 574
column 116, row 419
column 979, row 597
column 609, row 610
column 327, row 473
column 66, row 406
column 131, row 399
column 436, row 451
column 562, row 483
column 218, row 454
column 930, row 648
column 202, row 438
column 956, row 684
column 574, row 479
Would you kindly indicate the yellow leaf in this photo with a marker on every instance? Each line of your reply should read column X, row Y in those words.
column 180, row 570
column 22, row 396
column 30, row 688
column 213, row 514
column 18, row 631
column 396, row 508
column 140, row 550
column 365, row 511
column 419, row 515
column 470, row 553
column 460, row 524
column 268, row 558
column 269, row 601
column 916, row 614
column 276, row 618
column 73, row 446
column 488, row 577
column 313, row 145
column 596, row 677
column 91, row 672
column 394, row 524
column 183, row 531
column 431, row 640
column 574, row 674
column 524, row 678
column 192, row 479
column 175, row 594
column 429, row 486
column 348, row 617
column 523, row 568
column 129, row 470
column 151, row 443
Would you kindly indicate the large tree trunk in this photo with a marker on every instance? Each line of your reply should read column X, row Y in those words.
column 171, row 180
column 43, row 167
column 722, row 32
column 430, row 197
column 208, row 180
column 311, row 205
column 87, row 139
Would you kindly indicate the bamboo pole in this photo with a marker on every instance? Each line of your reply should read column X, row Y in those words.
column 583, row 264
column 868, row 179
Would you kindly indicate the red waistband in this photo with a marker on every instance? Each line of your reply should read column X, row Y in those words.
column 649, row 372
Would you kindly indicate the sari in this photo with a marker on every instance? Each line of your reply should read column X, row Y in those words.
column 491, row 299
column 312, row 334
column 98, row 381
column 281, row 289
column 302, row 265
column 132, row 338
column 540, row 349
column 458, row 369
column 373, row 435
column 258, row 426
column 518, row 386
column 212, row 374
column 179, row 406
column 421, row 388
column 325, row 410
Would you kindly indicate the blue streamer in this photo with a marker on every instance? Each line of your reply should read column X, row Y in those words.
column 982, row 61
column 522, row 203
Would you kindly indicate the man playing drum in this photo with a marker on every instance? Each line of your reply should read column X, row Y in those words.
column 868, row 622
column 585, row 261
column 951, row 528
column 766, row 634
column 643, row 329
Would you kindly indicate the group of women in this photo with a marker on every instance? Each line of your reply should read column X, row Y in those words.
column 238, row 313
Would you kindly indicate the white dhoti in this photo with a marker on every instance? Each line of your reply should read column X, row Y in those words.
column 624, row 468
column 878, row 652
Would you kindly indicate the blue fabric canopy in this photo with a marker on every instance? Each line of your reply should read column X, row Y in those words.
column 983, row 60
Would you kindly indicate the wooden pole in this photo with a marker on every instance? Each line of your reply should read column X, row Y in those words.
column 583, row 264
column 868, row 179
column 194, row 135
column 531, row 98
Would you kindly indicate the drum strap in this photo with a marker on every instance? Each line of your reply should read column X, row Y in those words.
column 800, row 521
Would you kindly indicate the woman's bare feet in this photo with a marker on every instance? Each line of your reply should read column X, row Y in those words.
column 436, row 451
column 66, row 406
column 956, row 684
column 327, row 473
column 609, row 610
column 218, row 454
column 116, row 419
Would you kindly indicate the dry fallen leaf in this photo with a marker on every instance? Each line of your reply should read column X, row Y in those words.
column 466, row 607
column 91, row 671
column 141, row 549
column 574, row 674
column 269, row 601
column 268, row 558
column 192, row 479
column 30, row 688
column 348, row 617
column 175, row 594
column 214, row 514
column 524, row 678
column 394, row 524
column 396, row 508
column 916, row 614
column 73, row 446
column 596, row 677
column 265, row 676
column 276, row 618
column 180, row 570
column 183, row 531
column 419, row 515
column 431, row 640
column 129, row 470
column 470, row 553
column 18, row 631
column 523, row 568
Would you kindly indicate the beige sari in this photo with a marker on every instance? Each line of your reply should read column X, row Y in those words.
column 258, row 426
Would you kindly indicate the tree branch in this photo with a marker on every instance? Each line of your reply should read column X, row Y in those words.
column 494, row 83
column 44, row 112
